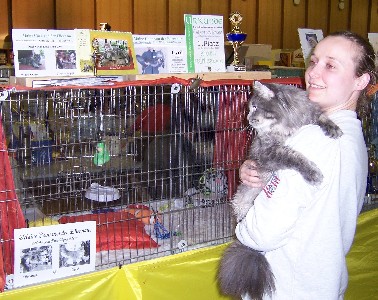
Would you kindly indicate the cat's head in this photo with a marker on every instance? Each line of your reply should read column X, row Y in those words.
column 277, row 108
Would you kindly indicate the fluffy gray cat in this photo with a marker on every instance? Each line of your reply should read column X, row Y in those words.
column 275, row 112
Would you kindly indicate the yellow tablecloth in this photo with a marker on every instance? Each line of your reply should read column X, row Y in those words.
column 192, row 275
column 363, row 259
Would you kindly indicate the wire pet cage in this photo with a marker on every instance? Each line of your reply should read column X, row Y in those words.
column 153, row 163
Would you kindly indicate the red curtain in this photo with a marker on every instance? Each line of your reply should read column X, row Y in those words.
column 11, row 216
column 231, row 135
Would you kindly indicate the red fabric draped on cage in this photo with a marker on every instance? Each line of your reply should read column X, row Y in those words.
column 116, row 230
column 10, row 212
column 231, row 135
column 154, row 119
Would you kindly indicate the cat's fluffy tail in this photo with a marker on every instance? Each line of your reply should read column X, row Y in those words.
column 244, row 270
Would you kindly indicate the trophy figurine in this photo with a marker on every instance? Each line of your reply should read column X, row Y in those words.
column 96, row 55
column 105, row 27
column 236, row 38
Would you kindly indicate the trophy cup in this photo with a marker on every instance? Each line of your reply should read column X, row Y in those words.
column 236, row 38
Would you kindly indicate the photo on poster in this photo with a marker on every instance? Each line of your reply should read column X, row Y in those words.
column 309, row 39
column 36, row 259
column 31, row 59
column 65, row 59
column 151, row 60
column 74, row 254
column 113, row 52
column 86, row 66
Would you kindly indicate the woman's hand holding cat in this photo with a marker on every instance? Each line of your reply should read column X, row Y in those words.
column 249, row 175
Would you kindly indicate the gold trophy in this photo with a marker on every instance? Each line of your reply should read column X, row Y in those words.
column 236, row 38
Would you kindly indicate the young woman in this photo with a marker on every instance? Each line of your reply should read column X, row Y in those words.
column 306, row 231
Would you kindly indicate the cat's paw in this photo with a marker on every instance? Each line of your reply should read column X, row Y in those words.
column 313, row 176
column 332, row 131
column 329, row 128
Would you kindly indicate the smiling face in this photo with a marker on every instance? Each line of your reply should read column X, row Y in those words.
column 331, row 79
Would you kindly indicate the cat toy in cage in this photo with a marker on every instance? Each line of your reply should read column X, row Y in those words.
column 149, row 216
column 160, row 231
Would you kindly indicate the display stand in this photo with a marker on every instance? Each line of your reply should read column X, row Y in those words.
column 253, row 75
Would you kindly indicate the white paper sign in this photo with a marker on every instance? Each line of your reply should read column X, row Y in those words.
column 84, row 61
column 158, row 54
column 309, row 38
column 205, row 43
column 43, row 52
column 53, row 252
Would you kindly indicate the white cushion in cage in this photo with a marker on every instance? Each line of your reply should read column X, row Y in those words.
column 101, row 193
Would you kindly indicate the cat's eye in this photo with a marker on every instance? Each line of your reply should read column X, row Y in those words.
column 253, row 108
column 269, row 115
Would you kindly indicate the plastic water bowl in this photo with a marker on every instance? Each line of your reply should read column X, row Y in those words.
column 101, row 193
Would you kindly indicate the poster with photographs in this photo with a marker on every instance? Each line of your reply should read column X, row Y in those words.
column 159, row 54
column 53, row 252
column 373, row 39
column 114, row 52
column 309, row 38
column 43, row 52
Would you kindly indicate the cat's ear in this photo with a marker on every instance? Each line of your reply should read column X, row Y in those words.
column 263, row 90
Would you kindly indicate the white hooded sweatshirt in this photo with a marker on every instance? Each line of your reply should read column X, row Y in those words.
column 306, row 231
